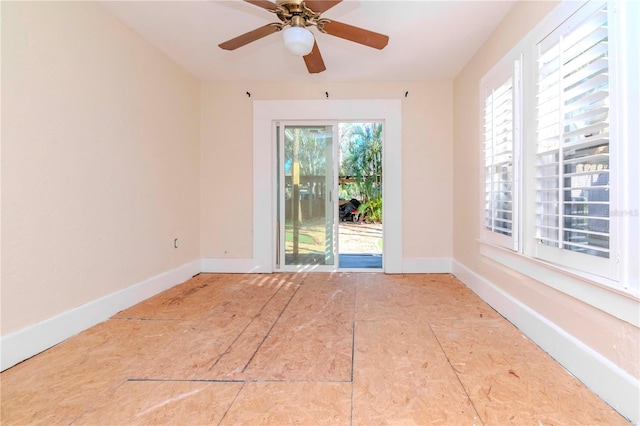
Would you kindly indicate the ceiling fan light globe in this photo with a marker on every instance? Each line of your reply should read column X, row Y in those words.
column 298, row 40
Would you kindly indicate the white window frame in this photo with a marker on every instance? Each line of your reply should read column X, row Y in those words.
column 621, row 285
column 507, row 69
column 604, row 267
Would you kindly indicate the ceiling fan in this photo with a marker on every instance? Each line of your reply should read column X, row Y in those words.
column 295, row 16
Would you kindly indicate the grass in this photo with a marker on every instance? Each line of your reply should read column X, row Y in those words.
column 303, row 238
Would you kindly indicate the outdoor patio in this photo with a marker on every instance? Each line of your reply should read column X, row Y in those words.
column 360, row 245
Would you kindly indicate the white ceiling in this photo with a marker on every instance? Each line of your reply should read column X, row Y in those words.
column 428, row 39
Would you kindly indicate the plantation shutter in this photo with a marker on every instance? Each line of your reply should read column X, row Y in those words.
column 499, row 114
column 572, row 119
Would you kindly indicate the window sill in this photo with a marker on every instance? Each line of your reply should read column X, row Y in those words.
column 594, row 291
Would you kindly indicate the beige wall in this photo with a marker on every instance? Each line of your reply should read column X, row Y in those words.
column 226, row 191
column 613, row 338
column 100, row 160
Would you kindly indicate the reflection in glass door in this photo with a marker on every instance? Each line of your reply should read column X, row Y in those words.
column 306, row 210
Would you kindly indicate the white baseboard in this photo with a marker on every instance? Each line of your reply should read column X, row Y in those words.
column 25, row 343
column 618, row 388
column 232, row 266
column 410, row 265
column 426, row 265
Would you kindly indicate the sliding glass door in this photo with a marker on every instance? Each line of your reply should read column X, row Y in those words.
column 306, row 187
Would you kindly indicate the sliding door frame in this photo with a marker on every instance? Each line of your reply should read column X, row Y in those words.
column 266, row 113
column 331, row 205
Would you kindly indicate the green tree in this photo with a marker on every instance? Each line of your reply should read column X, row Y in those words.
column 311, row 154
column 361, row 159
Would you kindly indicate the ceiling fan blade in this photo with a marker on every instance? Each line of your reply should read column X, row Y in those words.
column 358, row 35
column 314, row 61
column 247, row 38
column 265, row 4
column 320, row 6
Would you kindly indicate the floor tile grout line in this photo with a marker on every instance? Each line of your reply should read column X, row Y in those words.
column 456, row 374
column 226, row 351
column 353, row 329
column 152, row 380
column 149, row 319
column 273, row 325
column 95, row 404
column 231, row 405
column 353, row 345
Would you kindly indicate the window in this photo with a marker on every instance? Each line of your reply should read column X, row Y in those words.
column 500, row 118
column 560, row 152
column 572, row 140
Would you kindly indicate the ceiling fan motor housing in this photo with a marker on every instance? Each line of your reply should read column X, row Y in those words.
column 296, row 13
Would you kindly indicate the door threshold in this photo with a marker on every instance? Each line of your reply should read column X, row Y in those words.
column 360, row 261
column 362, row 270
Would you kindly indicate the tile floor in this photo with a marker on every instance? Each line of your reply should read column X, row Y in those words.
column 305, row 349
